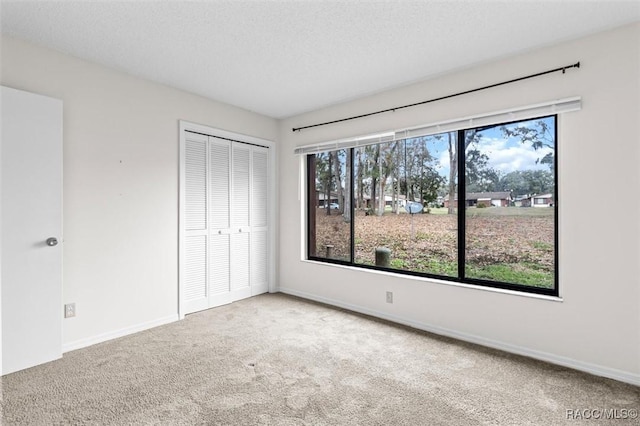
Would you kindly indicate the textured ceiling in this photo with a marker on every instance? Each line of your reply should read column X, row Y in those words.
column 282, row 58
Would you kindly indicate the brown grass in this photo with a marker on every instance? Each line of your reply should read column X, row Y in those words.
column 500, row 238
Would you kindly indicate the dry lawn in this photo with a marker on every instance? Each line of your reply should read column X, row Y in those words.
column 518, row 237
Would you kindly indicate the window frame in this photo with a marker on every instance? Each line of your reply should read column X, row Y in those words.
column 461, row 219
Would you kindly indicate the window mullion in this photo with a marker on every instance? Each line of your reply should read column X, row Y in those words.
column 311, row 211
column 461, row 205
column 352, row 213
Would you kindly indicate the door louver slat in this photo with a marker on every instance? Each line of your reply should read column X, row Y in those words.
column 195, row 268
column 196, row 184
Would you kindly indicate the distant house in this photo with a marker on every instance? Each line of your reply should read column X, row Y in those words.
column 542, row 200
column 522, row 201
column 321, row 198
column 487, row 199
column 388, row 200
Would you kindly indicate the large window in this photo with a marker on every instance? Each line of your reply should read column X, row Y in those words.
column 406, row 206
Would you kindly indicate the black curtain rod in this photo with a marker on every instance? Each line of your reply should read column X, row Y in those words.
column 563, row 69
column 226, row 139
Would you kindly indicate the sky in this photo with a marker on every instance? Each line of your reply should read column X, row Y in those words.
column 505, row 154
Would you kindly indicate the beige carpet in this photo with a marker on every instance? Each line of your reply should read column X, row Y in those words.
column 279, row 360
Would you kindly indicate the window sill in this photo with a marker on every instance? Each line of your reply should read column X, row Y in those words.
column 441, row 282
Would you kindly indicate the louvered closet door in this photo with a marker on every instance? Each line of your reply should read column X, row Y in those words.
column 194, row 290
column 240, row 221
column 224, row 219
column 259, row 220
column 219, row 220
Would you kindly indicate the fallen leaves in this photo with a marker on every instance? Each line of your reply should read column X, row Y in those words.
column 433, row 246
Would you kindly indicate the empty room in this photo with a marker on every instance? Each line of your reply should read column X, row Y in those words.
column 320, row 212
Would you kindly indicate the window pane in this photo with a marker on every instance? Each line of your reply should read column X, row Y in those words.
column 329, row 205
column 510, row 207
column 387, row 178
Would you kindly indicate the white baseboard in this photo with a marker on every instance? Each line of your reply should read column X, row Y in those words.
column 83, row 343
column 598, row 370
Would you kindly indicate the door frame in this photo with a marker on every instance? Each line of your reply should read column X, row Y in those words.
column 272, row 198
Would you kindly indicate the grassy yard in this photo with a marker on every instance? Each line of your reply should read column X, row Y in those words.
column 511, row 211
column 510, row 244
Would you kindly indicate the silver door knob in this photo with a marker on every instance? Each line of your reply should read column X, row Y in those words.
column 52, row 242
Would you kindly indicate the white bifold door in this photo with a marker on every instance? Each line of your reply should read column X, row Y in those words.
column 224, row 221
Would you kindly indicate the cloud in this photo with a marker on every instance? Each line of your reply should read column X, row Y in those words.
column 505, row 155
column 510, row 155
column 443, row 161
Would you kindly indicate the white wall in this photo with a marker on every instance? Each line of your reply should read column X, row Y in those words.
column 597, row 325
column 120, row 185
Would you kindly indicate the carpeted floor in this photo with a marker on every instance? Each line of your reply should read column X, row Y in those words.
column 280, row 360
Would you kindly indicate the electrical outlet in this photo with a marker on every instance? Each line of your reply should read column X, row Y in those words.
column 70, row 310
column 389, row 297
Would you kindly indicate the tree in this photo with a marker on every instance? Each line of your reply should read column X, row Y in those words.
column 538, row 133
column 323, row 177
column 453, row 172
column 395, row 180
column 359, row 176
column 527, row 182
column 382, row 179
column 480, row 177
column 548, row 160
column 338, row 176
column 539, row 181
column 419, row 173
column 429, row 183
column 348, row 196
column 422, row 180
column 386, row 167
column 515, row 183
column 373, row 162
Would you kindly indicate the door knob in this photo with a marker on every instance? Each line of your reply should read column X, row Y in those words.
column 52, row 241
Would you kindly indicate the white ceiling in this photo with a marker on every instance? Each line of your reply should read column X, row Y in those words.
column 282, row 58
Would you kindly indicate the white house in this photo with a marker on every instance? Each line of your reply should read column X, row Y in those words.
column 542, row 200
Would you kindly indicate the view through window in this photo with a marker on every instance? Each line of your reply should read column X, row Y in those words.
column 395, row 206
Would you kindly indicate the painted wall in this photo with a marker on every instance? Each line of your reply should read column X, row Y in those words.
column 596, row 326
column 120, row 185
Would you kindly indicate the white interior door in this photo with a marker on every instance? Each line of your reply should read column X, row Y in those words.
column 240, row 221
column 219, row 233
column 31, row 228
column 259, row 220
column 194, row 291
